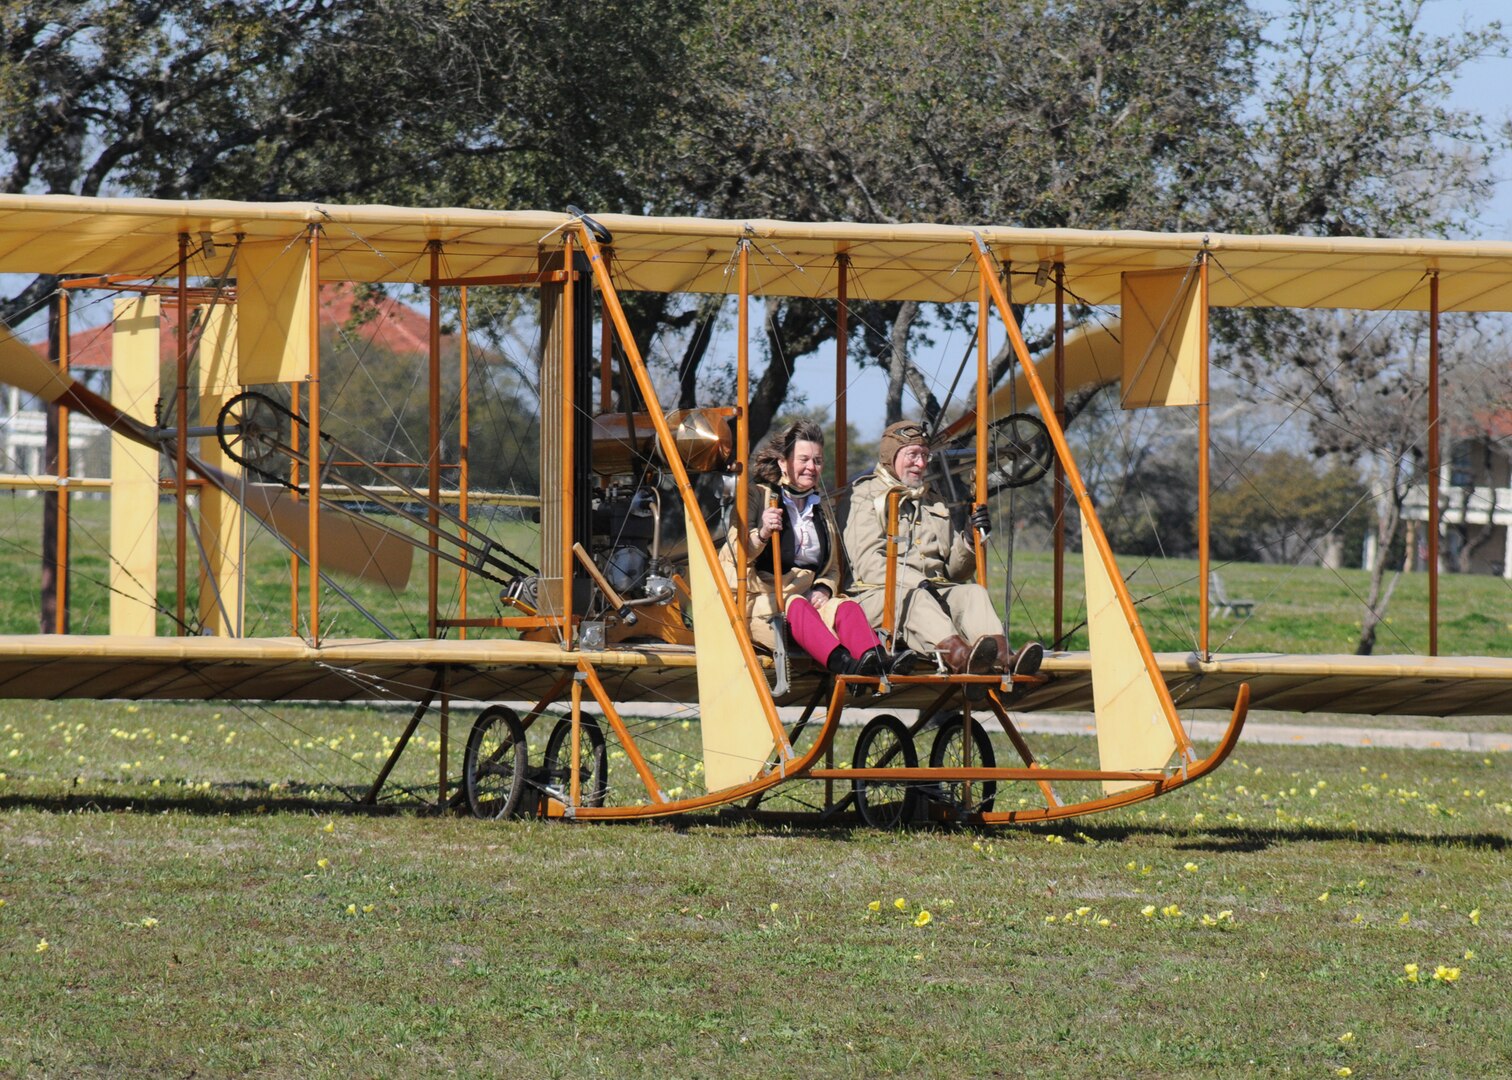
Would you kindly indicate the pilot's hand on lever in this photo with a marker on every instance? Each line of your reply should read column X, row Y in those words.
column 771, row 521
column 981, row 521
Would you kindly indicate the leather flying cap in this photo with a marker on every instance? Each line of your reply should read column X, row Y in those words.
column 896, row 436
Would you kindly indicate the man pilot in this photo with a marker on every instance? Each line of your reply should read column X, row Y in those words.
column 938, row 606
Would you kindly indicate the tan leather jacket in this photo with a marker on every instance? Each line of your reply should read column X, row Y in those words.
column 929, row 548
column 760, row 604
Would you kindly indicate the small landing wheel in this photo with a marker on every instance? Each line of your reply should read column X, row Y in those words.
column 884, row 742
column 593, row 763
column 948, row 753
column 493, row 767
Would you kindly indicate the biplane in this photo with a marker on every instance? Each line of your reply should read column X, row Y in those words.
column 621, row 602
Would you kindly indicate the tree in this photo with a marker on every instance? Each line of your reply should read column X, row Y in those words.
column 1355, row 138
column 494, row 103
column 1278, row 507
column 1118, row 114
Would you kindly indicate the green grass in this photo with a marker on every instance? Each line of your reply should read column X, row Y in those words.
column 428, row 945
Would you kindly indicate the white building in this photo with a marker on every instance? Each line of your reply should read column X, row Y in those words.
column 23, row 439
column 1475, row 503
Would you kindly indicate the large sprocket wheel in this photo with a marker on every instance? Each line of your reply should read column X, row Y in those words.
column 1019, row 451
column 593, row 763
column 254, row 432
column 948, row 753
column 494, row 764
column 885, row 743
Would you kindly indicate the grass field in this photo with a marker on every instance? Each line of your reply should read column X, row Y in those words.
column 208, row 908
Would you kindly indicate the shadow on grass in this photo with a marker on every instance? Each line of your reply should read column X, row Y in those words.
column 294, row 799
column 1216, row 840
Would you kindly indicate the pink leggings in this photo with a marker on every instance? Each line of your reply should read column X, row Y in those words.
column 851, row 624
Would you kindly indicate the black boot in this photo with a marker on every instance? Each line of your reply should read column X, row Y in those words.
column 840, row 661
column 902, row 662
column 872, row 663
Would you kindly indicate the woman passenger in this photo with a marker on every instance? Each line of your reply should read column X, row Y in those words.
column 785, row 503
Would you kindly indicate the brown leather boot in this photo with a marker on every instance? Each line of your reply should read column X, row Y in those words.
column 955, row 652
column 1027, row 660
column 1004, row 656
column 984, row 656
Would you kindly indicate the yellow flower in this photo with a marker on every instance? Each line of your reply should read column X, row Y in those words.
column 1225, row 914
column 330, row 826
column 875, row 905
column 1104, row 922
column 1049, row 918
column 1405, row 919
column 149, row 922
column 1324, row 898
column 1084, row 911
column 1208, row 920
column 1446, row 974
column 322, row 863
column 775, row 906
column 1148, row 911
column 900, row 903
column 1190, row 868
column 351, row 909
column 923, row 919
column 1347, row 1038
column 42, row 945
column 1412, row 972
column 1171, row 911
column 1475, row 917
column 1343, row 1070
column 1469, row 954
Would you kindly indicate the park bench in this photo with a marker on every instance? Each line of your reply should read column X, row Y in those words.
column 1220, row 602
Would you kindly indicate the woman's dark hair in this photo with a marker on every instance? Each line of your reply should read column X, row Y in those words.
column 766, row 463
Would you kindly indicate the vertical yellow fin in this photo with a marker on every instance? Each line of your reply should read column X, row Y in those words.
column 134, row 470
column 736, row 738
column 273, row 312
column 221, row 577
column 1132, row 729
column 1162, row 338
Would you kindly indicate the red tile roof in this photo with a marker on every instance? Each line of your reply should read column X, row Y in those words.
column 393, row 325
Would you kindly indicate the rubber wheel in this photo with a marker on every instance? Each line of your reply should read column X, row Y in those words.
column 948, row 752
column 593, row 763
column 493, row 767
column 884, row 742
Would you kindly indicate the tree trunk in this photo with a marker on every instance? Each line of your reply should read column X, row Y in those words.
column 1388, row 522
column 897, row 361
